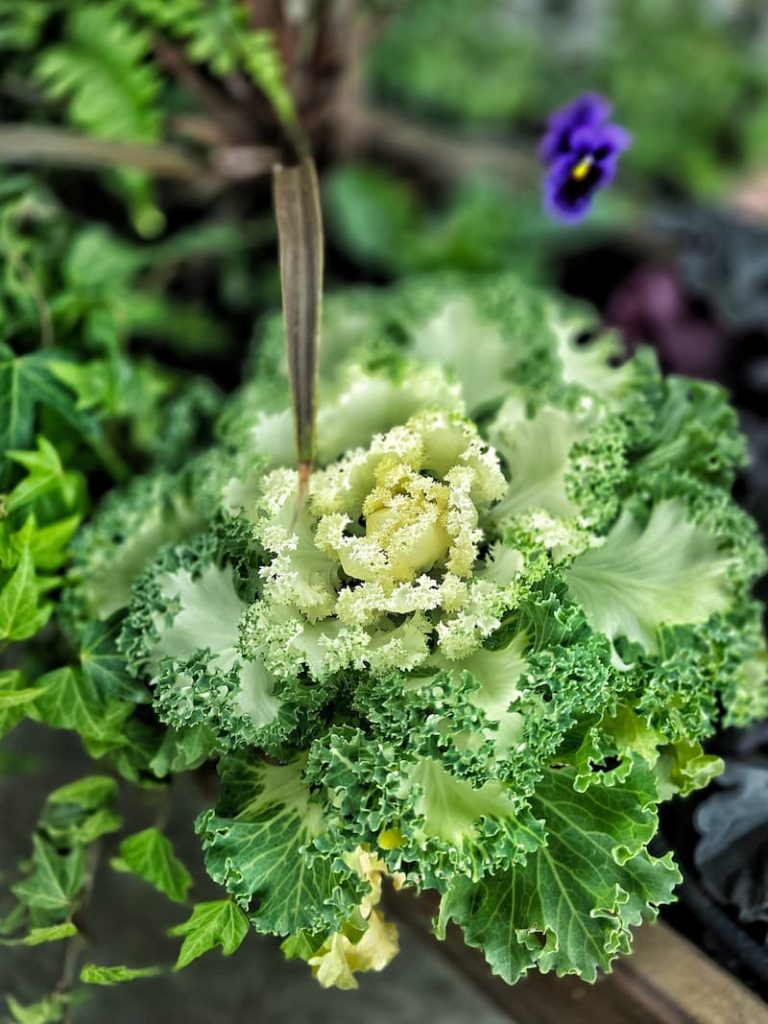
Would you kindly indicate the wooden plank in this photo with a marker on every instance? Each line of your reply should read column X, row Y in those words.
column 666, row 968
column 666, row 980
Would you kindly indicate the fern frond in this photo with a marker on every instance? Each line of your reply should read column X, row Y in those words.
column 217, row 35
column 102, row 73
column 21, row 24
column 101, row 70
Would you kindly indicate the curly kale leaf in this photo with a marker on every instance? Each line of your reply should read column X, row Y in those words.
column 570, row 908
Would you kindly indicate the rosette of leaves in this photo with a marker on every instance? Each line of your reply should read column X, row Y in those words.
column 491, row 641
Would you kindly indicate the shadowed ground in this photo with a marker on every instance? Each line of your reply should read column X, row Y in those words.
column 127, row 922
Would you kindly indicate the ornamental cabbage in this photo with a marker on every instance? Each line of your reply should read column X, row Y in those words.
column 515, row 602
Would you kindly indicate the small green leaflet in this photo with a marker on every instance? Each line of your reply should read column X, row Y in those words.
column 20, row 615
column 55, row 880
column 37, row 936
column 13, row 919
column 98, row 974
column 570, row 908
column 217, row 923
column 149, row 855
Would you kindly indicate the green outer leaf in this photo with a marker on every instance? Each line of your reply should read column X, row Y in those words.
column 149, row 855
column 217, row 923
column 669, row 571
column 99, row 974
column 258, row 850
column 570, row 908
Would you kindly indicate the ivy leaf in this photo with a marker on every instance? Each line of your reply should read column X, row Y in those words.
column 98, row 974
column 47, row 544
column 80, row 812
column 37, row 936
column 571, row 906
column 89, row 793
column 14, row 695
column 104, row 666
column 150, row 856
column 72, row 701
column 183, row 750
column 20, row 615
column 216, row 923
column 55, row 880
column 25, row 383
column 47, row 1011
column 45, row 474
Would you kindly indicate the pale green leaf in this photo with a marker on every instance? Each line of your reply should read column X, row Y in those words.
column 668, row 572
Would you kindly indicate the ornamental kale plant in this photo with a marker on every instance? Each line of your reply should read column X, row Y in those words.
column 484, row 630
column 474, row 660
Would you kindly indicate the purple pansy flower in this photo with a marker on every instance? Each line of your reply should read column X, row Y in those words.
column 581, row 151
column 589, row 109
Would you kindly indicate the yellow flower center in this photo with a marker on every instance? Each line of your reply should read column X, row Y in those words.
column 582, row 168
